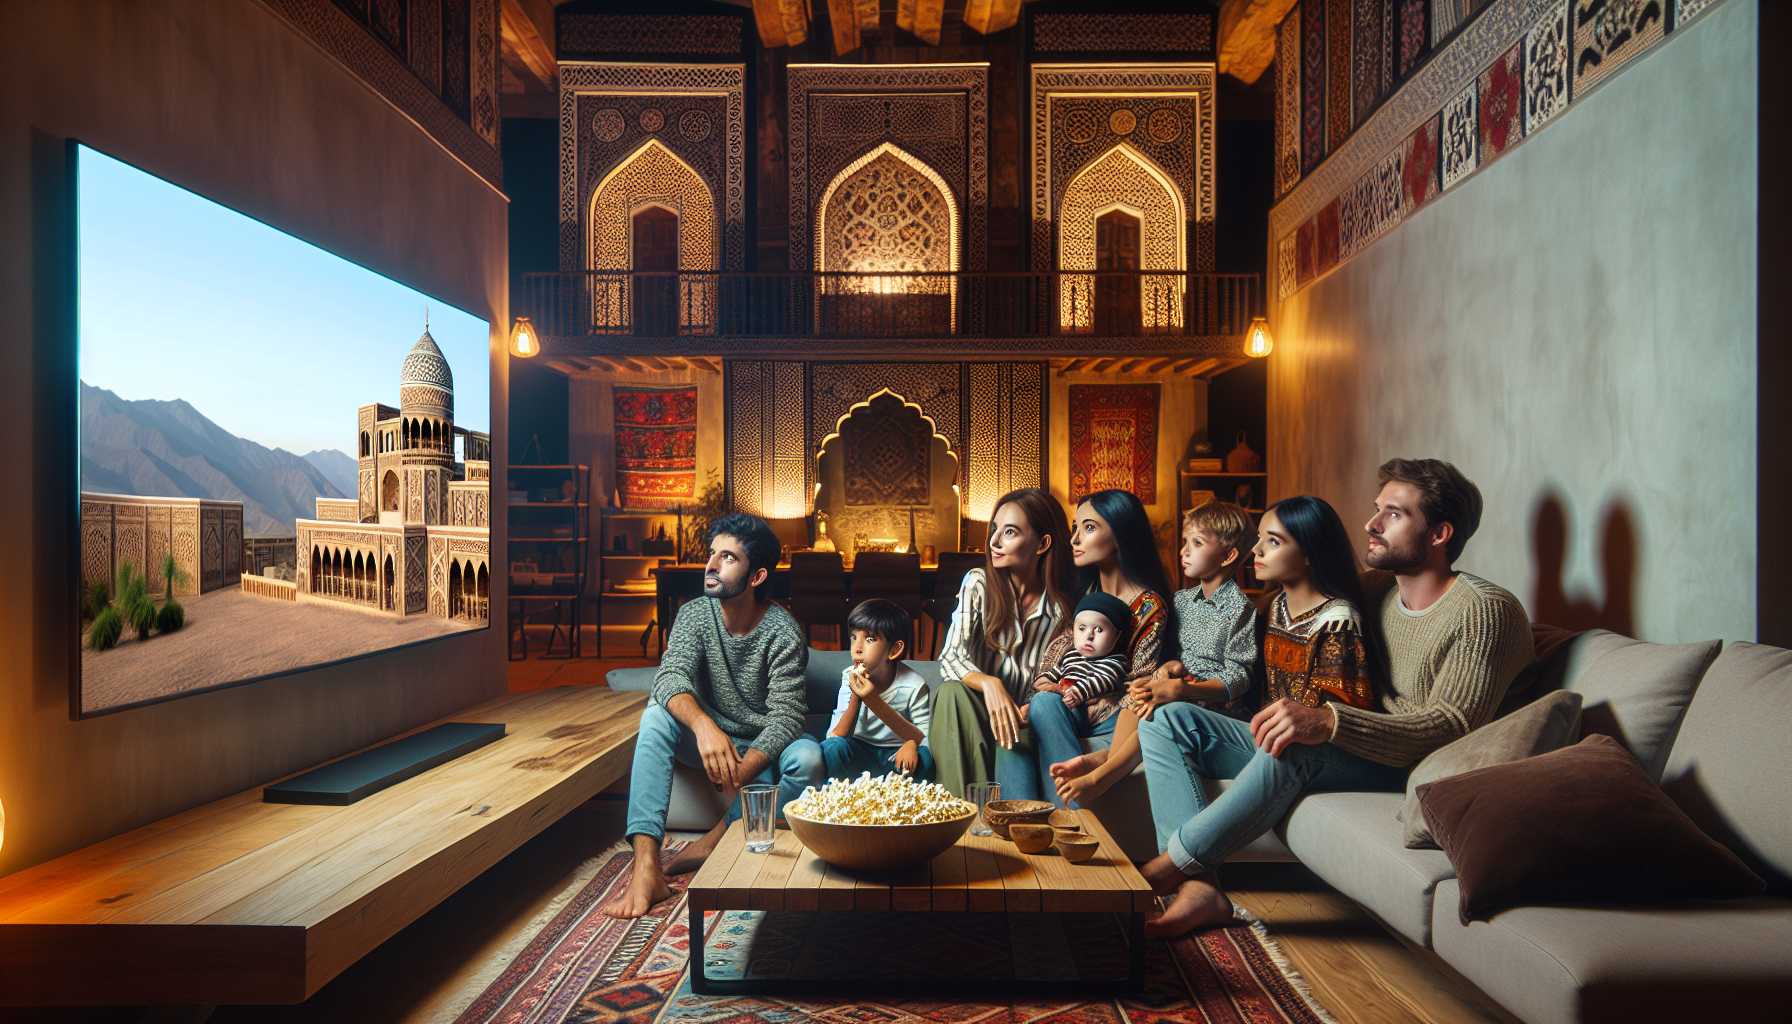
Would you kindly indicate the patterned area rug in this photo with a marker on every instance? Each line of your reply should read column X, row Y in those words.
column 584, row 968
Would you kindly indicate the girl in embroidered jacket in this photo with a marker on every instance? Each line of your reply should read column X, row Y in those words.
column 1316, row 648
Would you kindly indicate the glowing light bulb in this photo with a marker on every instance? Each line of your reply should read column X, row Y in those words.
column 523, row 343
column 1257, row 342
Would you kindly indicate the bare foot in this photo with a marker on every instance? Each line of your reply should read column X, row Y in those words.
column 1197, row 906
column 694, row 854
column 1163, row 874
column 646, row 886
column 1082, row 764
column 1083, row 789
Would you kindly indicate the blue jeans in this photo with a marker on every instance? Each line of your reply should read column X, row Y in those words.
column 844, row 757
column 663, row 742
column 1058, row 734
column 1182, row 741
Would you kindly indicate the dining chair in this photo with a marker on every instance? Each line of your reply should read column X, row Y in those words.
column 818, row 595
column 892, row 576
column 946, row 581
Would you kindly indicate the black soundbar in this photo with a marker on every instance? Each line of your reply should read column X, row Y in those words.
column 370, row 771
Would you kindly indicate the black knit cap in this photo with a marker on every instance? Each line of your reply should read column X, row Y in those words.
column 1110, row 606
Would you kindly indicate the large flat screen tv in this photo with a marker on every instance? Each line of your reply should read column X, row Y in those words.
column 284, row 456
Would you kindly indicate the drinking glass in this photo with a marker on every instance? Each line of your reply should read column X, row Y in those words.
column 980, row 794
column 758, row 807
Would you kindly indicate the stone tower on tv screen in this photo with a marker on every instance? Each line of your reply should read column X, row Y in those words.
column 415, row 538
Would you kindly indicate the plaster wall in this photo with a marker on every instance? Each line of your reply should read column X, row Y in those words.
column 1574, row 327
column 229, row 101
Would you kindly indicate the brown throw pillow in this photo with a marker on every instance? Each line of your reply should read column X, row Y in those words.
column 1578, row 825
column 1539, row 727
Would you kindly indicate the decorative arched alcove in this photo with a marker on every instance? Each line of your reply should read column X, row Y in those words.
column 1123, row 180
column 889, row 216
column 645, row 186
column 884, row 461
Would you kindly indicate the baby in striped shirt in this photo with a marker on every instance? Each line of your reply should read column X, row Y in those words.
column 1091, row 659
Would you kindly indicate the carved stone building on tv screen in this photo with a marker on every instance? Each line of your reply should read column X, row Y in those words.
column 416, row 538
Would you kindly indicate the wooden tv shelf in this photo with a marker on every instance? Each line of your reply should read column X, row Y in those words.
column 241, row 901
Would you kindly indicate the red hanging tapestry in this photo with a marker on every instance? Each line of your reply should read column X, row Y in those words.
column 1113, row 439
column 656, row 446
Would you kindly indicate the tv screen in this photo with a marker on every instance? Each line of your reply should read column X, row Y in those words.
column 284, row 457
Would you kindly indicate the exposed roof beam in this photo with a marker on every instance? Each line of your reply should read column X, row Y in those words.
column 922, row 18
column 528, row 26
column 1247, row 38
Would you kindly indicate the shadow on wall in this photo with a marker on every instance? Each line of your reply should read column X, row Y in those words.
column 1551, row 537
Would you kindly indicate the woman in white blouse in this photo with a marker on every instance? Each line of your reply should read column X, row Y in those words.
column 1007, row 612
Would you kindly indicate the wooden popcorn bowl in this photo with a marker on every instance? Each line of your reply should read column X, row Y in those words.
column 1030, row 837
column 1076, row 849
column 879, row 847
column 999, row 814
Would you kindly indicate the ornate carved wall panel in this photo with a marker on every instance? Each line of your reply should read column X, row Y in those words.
column 1006, row 409
column 591, row 35
column 693, row 114
column 936, row 113
column 1163, row 112
column 1122, row 33
column 887, row 212
column 767, row 452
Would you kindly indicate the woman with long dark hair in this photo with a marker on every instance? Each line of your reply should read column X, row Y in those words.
column 1115, row 551
column 1319, row 646
column 1007, row 612
column 1317, row 651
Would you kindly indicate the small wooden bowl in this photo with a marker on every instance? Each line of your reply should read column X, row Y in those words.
column 1076, row 850
column 1069, row 833
column 1030, row 837
column 1065, row 819
column 999, row 814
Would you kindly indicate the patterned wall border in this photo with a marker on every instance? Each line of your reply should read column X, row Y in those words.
column 1356, row 173
column 1184, row 33
column 473, row 142
column 1052, row 80
column 605, row 78
column 972, row 79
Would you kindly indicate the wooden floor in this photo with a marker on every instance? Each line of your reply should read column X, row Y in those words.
column 437, row 965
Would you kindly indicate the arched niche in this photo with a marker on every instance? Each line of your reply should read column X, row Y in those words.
column 652, row 180
column 884, row 460
column 1126, row 180
column 891, row 217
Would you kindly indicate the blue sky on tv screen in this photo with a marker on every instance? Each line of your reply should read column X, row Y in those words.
column 270, row 337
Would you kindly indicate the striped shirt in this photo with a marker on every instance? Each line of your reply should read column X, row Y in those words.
column 965, row 649
column 1088, row 677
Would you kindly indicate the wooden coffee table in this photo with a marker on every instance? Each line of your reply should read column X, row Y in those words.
column 979, row 874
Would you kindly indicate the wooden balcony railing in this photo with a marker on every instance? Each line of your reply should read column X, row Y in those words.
column 670, row 304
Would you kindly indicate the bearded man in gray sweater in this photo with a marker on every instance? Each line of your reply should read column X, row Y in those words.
column 728, row 698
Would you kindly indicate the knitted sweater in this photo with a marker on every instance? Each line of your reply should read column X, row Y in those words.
column 1449, row 667
column 751, row 685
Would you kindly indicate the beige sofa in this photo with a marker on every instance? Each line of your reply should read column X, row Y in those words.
column 1712, row 723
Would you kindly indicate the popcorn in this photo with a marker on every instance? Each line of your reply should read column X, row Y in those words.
column 893, row 799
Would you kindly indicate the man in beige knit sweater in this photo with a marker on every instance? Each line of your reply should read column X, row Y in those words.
column 1454, row 641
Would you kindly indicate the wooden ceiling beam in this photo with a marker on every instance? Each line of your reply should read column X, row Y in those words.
column 923, row 18
column 1247, row 36
column 1204, row 366
column 782, row 22
column 528, row 27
